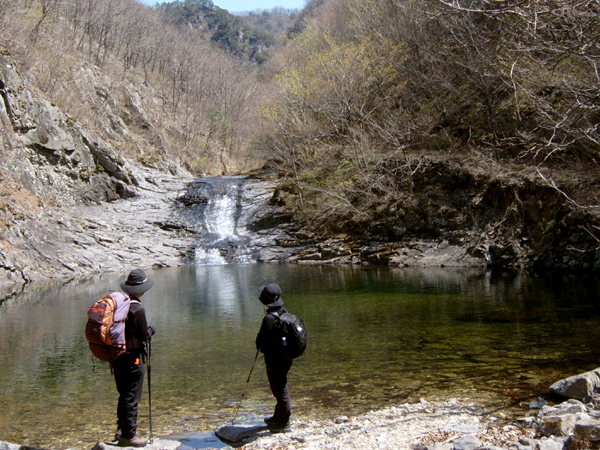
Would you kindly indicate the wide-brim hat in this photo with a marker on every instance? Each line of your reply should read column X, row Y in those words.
column 270, row 295
column 137, row 283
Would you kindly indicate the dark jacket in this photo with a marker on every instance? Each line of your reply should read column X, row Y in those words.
column 268, row 340
column 136, row 326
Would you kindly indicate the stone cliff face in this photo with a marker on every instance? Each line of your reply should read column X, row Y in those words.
column 47, row 152
column 50, row 163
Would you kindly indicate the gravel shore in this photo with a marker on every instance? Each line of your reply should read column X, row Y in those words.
column 424, row 424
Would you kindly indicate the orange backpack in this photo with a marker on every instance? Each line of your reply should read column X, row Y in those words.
column 105, row 329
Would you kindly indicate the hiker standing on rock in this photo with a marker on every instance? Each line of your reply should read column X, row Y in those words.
column 129, row 369
column 268, row 341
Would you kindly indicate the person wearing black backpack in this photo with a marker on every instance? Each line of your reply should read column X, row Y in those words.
column 269, row 342
column 129, row 369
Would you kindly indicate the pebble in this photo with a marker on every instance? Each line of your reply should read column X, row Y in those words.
column 467, row 443
column 427, row 425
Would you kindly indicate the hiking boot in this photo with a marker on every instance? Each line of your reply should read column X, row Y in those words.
column 271, row 420
column 117, row 435
column 135, row 441
column 279, row 427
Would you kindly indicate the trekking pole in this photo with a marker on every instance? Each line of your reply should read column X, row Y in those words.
column 150, row 387
column 245, row 387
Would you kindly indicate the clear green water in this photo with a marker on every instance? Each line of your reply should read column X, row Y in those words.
column 377, row 336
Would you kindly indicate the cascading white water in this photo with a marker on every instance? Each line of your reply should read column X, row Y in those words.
column 220, row 226
column 222, row 243
column 220, row 214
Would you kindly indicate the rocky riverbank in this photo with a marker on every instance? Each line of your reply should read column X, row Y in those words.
column 452, row 424
column 458, row 424
column 156, row 226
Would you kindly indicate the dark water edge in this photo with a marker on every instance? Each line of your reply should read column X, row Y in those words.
column 379, row 336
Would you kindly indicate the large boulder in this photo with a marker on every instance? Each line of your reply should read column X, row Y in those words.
column 578, row 386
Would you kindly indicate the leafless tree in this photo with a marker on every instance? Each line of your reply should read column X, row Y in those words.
column 48, row 8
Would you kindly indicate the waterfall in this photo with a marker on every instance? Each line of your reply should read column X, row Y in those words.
column 216, row 206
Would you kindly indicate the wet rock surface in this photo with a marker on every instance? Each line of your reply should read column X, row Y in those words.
column 156, row 444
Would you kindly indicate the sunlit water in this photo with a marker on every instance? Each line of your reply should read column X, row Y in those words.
column 377, row 337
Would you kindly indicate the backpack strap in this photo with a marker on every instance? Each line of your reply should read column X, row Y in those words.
column 278, row 313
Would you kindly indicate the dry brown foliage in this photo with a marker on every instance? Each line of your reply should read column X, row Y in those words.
column 370, row 87
column 155, row 91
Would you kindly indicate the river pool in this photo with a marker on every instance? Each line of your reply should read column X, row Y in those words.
column 378, row 336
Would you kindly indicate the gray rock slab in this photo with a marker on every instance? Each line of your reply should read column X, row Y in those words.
column 8, row 446
column 467, row 443
column 587, row 430
column 465, row 429
column 571, row 406
column 156, row 444
column 550, row 444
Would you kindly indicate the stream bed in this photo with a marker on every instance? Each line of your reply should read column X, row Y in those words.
column 378, row 336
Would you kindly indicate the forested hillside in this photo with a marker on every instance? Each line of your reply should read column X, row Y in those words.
column 466, row 120
column 229, row 32
column 472, row 122
column 275, row 21
column 151, row 82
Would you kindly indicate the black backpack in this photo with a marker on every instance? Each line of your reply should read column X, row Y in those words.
column 294, row 338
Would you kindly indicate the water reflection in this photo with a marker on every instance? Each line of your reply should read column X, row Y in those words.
column 376, row 335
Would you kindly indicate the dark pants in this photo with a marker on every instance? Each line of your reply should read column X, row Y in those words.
column 277, row 372
column 129, row 378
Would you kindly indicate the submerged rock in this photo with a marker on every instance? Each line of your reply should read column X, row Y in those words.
column 538, row 403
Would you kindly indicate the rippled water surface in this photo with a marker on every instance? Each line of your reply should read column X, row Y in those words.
column 377, row 336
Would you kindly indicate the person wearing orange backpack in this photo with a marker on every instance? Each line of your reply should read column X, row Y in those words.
column 129, row 369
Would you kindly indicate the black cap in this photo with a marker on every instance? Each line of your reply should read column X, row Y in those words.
column 137, row 283
column 270, row 295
